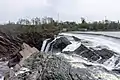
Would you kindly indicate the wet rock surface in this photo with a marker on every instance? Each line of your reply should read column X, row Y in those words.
column 52, row 67
column 92, row 62
column 45, row 67
column 55, row 45
column 60, row 43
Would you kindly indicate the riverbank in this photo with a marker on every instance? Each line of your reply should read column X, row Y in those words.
column 114, row 34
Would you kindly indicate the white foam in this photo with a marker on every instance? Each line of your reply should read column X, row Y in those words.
column 44, row 44
column 111, row 62
column 79, row 60
column 112, row 44
column 105, row 76
column 22, row 70
column 72, row 47
column 1, row 77
column 47, row 48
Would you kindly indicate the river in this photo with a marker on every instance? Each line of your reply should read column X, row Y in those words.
column 104, row 47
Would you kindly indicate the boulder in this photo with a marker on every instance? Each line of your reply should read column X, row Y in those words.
column 10, row 46
column 51, row 67
column 59, row 44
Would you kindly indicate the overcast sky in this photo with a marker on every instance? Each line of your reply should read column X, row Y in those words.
column 71, row 10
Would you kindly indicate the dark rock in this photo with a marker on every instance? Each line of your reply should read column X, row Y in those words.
column 116, row 70
column 81, row 49
column 59, row 44
column 105, row 53
column 9, row 45
column 15, row 59
column 87, row 53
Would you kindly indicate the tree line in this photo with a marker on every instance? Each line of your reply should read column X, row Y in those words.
column 48, row 23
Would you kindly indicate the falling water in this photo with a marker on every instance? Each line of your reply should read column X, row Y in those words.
column 48, row 46
column 91, row 43
column 44, row 44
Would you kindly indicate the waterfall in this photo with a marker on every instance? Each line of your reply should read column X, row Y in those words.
column 91, row 53
column 85, row 52
column 44, row 44
column 48, row 46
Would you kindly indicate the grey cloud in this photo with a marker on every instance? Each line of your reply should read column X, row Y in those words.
column 68, row 9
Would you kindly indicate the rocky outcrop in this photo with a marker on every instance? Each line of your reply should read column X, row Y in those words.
column 88, row 52
column 51, row 67
column 60, row 43
column 26, row 52
column 12, row 52
column 9, row 46
column 55, row 45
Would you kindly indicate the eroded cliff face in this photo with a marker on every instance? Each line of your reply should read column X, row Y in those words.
column 12, row 67
column 17, row 46
column 9, row 46
column 13, row 51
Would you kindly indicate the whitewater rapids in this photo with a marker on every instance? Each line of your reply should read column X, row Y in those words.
column 97, row 42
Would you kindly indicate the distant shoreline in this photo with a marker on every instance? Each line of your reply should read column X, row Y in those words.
column 112, row 34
